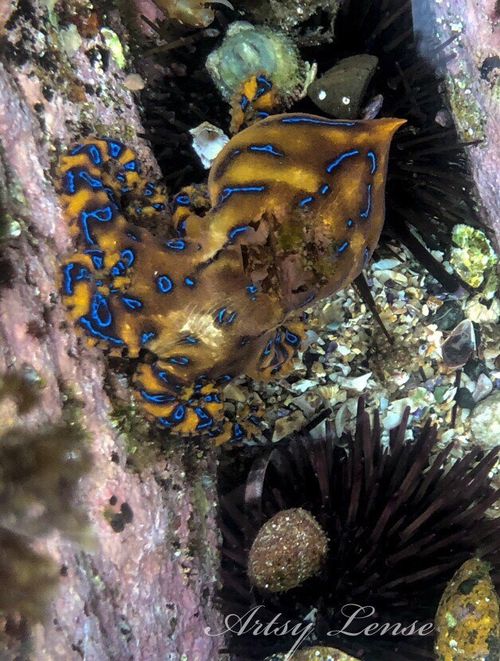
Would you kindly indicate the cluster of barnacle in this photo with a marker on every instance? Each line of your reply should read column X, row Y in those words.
column 39, row 471
column 323, row 521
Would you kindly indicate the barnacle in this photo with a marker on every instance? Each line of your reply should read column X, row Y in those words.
column 399, row 519
column 221, row 294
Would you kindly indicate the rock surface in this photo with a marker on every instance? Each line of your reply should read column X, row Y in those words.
column 147, row 591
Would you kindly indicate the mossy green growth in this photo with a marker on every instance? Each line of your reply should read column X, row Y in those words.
column 474, row 256
column 115, row 47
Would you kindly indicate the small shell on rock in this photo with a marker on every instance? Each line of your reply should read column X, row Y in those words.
column 341, row 90
column 459, row 345
column 208, row 141
column 289, row 549
column 468, row 616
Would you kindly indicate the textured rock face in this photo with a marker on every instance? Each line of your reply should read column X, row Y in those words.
column 146, row 589
column 485, row 421
column 472, row 82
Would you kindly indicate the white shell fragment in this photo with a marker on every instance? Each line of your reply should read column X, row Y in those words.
column 208, row 141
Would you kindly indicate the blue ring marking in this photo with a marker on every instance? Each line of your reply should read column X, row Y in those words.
column 244, row 102
column 128, row 256
column 219, row 316
column 87, row 324
column 118, row 269
column 164, row 284
column 366, row 256
column 179, row 414
column 190, row 339
column 115, row 148
column 366, row 212
column 252, row 289
column 133, row 236
column 162, row 375
column 205, row 419
column 97, row 257
column 138, row 211
column 132, row 166
column 181, row 228
column 104, row 215
column 267, row 349
column 76, row 150
column 68, row 279
column 158, row 206
column 111, row 196
column 236, row 231
column 93, row 182
column 266, row 86
column 238, row 431
column 183, row 200
column 213, row 397
column 319, row 122
column 324, row 189
column 339, row 159
column 176, row 244
column 179, row 360
column 100, row 312
column 371, row 155
column 225, row 378
column 147, row 336
column 267, row 149
column 262, row 114
column 132, row 303
column 149, row 189
column 83, row 274
column 121, row 178
column 158, row 398
column 69, row 182
column 95, row 154
column 189, row 282
column 307, row 200
column 228, row 192
column 255, row 420
column 125, row 189
column 350, row 223
column 164, row 422
column 343, row 247
column 231, row 318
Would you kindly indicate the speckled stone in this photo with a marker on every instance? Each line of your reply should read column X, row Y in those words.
column 485, row 421
column 341, row 91
column 468, row 616
column 288, row 549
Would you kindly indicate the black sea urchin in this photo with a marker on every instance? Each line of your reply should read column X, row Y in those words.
column 399, row 520
column 429, row 186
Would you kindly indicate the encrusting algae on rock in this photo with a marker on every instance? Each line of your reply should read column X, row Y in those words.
column 288, row 549
column 468, row 616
